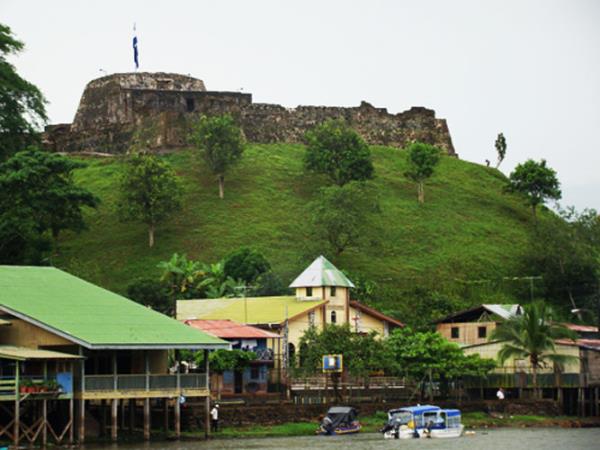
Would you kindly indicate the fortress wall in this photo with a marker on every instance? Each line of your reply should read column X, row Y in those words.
column 114, row 108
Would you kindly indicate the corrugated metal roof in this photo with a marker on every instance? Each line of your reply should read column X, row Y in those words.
column 321, row 272
column 89, row 315
column 227, row 329
column 581, row 328
column 252, row 310
column 24, row 353
column 504, row 311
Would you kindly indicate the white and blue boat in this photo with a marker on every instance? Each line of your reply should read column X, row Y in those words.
column 420, row 421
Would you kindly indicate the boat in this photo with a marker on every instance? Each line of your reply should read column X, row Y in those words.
column 339, row 420
column 420, row 421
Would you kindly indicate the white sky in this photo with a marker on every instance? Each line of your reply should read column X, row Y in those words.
column 528, row 68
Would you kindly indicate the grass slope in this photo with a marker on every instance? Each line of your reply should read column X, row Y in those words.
column 467, row 229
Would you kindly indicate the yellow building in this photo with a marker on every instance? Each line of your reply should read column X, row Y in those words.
column 322, row 297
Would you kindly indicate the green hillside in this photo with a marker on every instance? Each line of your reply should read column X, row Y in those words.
column 467, row 229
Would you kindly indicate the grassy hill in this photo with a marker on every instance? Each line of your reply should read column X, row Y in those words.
column 467, row 229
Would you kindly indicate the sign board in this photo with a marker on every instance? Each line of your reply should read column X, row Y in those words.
column 333, row 363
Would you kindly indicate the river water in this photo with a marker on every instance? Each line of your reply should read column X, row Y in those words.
column 501, row 439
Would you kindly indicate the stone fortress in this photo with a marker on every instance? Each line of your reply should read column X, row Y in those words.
column 113, row 108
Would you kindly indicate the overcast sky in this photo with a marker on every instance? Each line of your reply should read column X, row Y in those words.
column 528, row 68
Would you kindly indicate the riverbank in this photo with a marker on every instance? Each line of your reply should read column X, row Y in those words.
column 374, row 422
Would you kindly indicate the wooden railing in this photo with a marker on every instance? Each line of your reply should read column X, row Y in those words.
column 142, row 382
column 320, row 382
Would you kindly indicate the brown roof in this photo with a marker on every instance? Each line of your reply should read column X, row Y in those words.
column 587, row 343
column 228, row 329
column 375, row 313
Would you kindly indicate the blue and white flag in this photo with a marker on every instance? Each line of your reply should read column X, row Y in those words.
column 135, row 49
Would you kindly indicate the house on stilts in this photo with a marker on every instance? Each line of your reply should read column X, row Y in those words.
column 72, row 354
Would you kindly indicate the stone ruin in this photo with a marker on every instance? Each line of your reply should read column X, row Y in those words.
column 116, row 107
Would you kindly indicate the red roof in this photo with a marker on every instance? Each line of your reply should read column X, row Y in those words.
column 228, row 329
column 581, row 328
column 587, row 343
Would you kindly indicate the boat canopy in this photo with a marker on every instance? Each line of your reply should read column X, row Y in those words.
column 452, row 412
column 341, row 410
column 416, row 409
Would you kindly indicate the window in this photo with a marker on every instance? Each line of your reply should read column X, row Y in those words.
column 482, row 332
column 332, row 291
column 291, row 354
column 333, row 317
column 190, row 105
column 454, row 333
column 309, row 292
column 311, row 318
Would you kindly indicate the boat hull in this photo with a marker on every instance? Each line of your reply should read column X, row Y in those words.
column 409, row 433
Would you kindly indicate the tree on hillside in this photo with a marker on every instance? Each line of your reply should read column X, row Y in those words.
column 566, row 252
column 149, row 192
column 246, row 264
column 342, row 215
column 22, row 105
column 336, row 150
column 536, row 182
column 500, row 145
column 532, row 336
column 38, row 196
column 221, row 142
column 422, row 159
column 153, row 294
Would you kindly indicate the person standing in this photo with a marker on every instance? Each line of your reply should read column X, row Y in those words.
column 500, row 394
column 214, row 418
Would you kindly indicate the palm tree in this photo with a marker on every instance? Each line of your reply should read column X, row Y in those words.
column 532, row 336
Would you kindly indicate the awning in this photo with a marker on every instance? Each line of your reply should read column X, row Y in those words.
column 25, row 353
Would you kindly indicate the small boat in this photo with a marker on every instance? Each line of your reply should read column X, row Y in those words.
column 339, row 420
column 427, row 421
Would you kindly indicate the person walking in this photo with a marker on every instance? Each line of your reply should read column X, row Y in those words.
column 214, row 418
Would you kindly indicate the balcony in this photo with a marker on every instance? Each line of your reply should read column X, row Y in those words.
column 142, row 386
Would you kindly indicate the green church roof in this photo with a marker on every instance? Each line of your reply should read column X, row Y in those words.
column 89, row 315
column 321, row 273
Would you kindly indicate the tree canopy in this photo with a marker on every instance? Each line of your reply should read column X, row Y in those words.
column 38, row 196
column 336, row 150
column 536, row 182
column 342, row 215
column 149, row 192
column 500, row 145
column 246, row 264
column 422, row 159
column 22, row 105
column 221, row 142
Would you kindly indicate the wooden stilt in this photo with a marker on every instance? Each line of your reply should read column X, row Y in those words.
column 81, row 421
column 147, row 419
column 597, row 401
column 207, row 399
column 114, row 419
column 166, row 413
column 71, row 422
column 177, row 413
column 45, row 422
column 103, row 417
column 131, row 415
column 122, row 403
column 17, row 424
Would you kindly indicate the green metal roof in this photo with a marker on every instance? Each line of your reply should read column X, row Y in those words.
column 89, row 315
column 321, row 273
column 252, row 310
